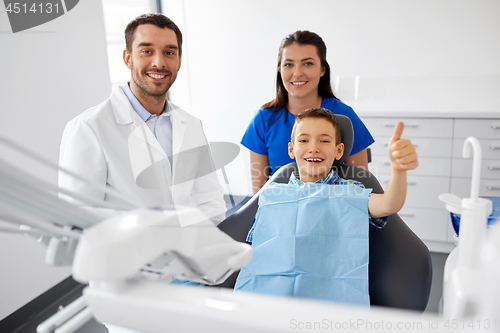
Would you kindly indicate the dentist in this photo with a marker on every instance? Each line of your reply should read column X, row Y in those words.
column 139, row 143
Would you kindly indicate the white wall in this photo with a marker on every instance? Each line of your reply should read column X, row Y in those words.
column 49, row 74
column 428, row 53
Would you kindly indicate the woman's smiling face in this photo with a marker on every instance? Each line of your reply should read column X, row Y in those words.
column 301, row 70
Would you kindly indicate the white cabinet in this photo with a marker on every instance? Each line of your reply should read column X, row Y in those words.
column 441, row 167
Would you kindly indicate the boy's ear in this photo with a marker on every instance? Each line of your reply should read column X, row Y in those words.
column 340, row 151
column 290, row 151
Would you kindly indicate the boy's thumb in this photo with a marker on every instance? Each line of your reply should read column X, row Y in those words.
column 398, row 130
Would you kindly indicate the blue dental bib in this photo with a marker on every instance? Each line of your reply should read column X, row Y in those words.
column 310, row 242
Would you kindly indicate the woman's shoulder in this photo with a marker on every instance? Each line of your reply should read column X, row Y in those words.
column 269, row 110
column 336, row 106
column 268, row 114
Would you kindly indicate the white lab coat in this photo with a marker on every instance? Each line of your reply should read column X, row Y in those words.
column 112, row 145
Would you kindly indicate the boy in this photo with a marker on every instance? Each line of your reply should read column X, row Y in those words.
column 312, row 242
column 316, row 143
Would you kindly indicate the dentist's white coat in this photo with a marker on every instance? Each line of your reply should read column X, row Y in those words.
column 112, row 145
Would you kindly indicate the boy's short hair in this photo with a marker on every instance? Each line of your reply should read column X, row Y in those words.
column 319, row 113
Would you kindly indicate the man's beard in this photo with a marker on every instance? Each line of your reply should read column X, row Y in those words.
column 145, row 86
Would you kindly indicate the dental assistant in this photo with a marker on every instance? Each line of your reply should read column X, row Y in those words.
column 302, row 82
column 138, row 142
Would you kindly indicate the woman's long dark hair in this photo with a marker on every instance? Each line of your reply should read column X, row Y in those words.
column 301, row 37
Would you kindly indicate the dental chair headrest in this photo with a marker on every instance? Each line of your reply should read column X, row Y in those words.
column 347, row 133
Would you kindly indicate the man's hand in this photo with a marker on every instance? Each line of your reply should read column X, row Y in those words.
column 401, row 151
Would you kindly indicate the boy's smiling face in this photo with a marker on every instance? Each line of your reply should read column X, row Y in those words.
column 314, row 148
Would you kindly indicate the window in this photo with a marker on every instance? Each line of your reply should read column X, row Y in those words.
column 117, row 14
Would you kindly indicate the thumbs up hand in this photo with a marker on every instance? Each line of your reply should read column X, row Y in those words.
column 401, row 151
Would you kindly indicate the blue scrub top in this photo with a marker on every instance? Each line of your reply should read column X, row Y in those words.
column 269, row 132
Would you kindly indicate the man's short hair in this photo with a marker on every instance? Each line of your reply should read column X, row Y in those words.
column 157, row 19
column 319, row 113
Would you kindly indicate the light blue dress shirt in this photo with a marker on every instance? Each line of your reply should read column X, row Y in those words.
column 161, row 126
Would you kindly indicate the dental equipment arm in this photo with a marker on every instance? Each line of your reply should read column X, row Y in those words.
column 31, row 205
column 128, row 258
column 154, row 244
column 462, row 270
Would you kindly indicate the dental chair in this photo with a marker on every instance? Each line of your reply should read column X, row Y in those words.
column 400, row 269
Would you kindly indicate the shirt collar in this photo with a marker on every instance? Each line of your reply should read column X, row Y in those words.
column 328, row 179
column 141, row 111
